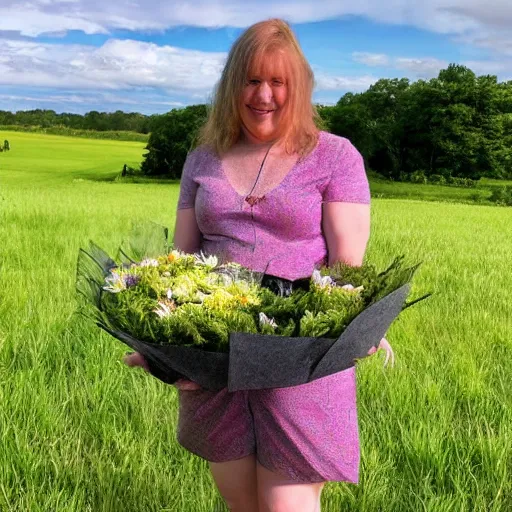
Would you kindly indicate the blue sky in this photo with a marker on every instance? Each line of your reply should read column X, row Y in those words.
column 151, row 56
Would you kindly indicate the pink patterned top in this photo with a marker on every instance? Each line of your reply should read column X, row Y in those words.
column 282, row 234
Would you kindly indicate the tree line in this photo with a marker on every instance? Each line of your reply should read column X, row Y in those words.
column 456, row 127
column 97, row 121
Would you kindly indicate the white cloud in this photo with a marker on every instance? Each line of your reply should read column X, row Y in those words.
column 32, row 20
column 326, row 102
column 498, row 42
column 87, row 99
column 325, row 82
column 429, row 67
column 371, row 59
column 146, row 74
column 422, row 67
column 115, row 65
column 502, row 68
column 477, row 21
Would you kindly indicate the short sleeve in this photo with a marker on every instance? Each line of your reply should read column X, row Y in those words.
column 348, row 182
column 188, row 186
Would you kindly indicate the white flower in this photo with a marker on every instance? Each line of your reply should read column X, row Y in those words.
column 350, row 288
column 210, row 261
column 321, row 280
column 163, row 310
column 115, row 282
column 149, row 262
column 264, row 319
column 169, row 294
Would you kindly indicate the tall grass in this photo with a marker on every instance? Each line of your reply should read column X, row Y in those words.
column 79, row 431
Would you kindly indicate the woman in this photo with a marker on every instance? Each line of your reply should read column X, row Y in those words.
column 267, row 189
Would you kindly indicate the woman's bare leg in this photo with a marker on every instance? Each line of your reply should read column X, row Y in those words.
column 236, row 481
column 277, row 493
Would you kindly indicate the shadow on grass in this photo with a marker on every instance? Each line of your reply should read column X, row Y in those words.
column 118, row 178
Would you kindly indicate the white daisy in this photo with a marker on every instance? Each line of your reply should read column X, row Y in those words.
column 149, row 262
column 163, row 310
column 202, row 259
column 350, row 288
column 264, row 319
column 115, row 282
column 321, row 280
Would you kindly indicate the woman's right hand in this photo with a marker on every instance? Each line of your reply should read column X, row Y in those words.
column 136, row 359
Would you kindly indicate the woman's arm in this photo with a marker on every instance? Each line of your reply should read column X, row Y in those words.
column 346, row 228
column 187, row 237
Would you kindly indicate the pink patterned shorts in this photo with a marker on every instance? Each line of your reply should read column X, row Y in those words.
column 308, row 433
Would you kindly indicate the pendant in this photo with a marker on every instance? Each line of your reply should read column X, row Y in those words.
column 252, row 200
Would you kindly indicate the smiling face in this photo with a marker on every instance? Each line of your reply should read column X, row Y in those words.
column 263, row 99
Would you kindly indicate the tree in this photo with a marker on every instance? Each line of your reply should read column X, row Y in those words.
column 172, row 137
column 371, row 121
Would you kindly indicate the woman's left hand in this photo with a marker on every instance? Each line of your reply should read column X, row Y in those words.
column 136, row 359
column 384, row 345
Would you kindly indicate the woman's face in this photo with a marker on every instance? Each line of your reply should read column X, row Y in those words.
column 263, row 98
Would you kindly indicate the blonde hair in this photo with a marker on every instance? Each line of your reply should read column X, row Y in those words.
column 299, row 132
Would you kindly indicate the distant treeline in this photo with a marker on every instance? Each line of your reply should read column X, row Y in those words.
column 97, row 121
column 455, row 125
column 73, row 132
column 453, row 128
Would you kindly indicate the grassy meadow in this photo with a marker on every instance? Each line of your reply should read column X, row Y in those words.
column 80, row 431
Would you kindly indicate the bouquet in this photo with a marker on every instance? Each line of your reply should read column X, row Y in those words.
column 225, row 325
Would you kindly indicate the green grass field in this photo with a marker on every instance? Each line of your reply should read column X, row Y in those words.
column 79, row 431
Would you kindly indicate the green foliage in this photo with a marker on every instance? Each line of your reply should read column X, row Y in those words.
column 127, row 313
column 195, row 325
column 502, row 196
column 322, row 324
column 420, row 177
column 174, row 298
column 456, row 125
column 461, row 182
column 437, row 179
column 172, row 137
column 375, row 285
column 417, row 177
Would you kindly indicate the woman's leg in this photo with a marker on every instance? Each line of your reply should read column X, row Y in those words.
column 236, row 481
column 277, row 493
